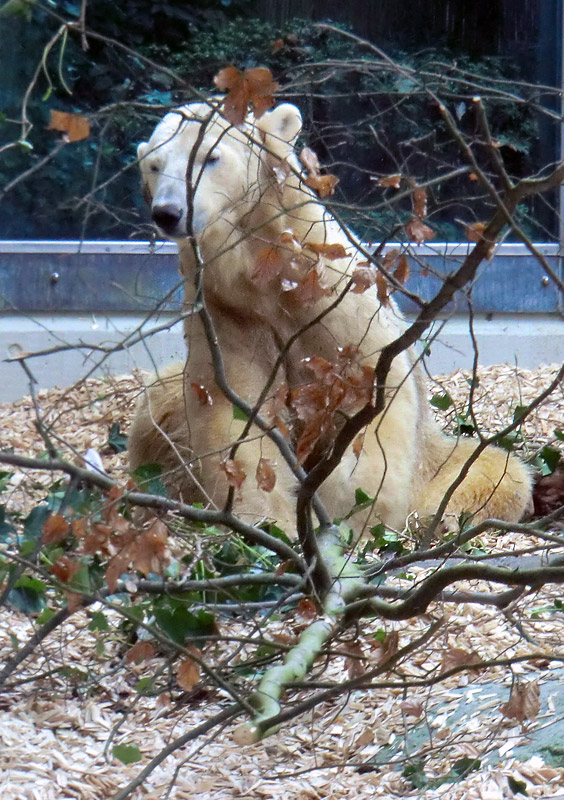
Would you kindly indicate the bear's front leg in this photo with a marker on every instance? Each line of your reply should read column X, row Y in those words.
column 190, row 439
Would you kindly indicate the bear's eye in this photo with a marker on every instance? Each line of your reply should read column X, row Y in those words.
column 213, row 157
column 154, row 167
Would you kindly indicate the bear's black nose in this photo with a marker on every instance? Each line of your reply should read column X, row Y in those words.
column 167, row 217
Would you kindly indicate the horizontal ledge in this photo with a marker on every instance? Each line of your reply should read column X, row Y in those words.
column 445, row 249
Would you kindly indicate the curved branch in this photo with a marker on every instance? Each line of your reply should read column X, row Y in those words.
column 249, row 532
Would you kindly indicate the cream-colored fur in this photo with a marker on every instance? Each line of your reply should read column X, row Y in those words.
column 239, row 206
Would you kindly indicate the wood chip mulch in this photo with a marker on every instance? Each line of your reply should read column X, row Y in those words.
column 57, row 734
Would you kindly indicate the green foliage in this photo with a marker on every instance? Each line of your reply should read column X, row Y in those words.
column 441, row 401
column 116, row 439
column 556, row 607
column 126, row 753
column 7, row 529
column 415, row 773
column 180, row 624
column 27, row 600
column 377, row 118
column 239, row 414
column 548, row 459
column 148, row 479
column 517, row 786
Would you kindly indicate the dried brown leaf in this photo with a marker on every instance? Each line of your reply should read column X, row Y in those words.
column 55, row 529
column 324, row 185
column 355, row 662
column 320, row 367
column 413, row 708
column 418, row 231
column 382, row 289
column 234, row 472
column 268, row 265
column 204, row 397
column 141, row 651
column 74, row 126
column 389, row 647
column 188, row 673
column 330, row 251
column 149, row 552
column 307, row 609
column 308, row 438
column 524, row 701
column 401, row 273
column 252, row 87
column 363, row 278
column 474, row 231
column 389, row 181
column 362, row 383
column 310, row 290
column 115, row 569
column 116, row 493
column 390, row 259
column 358, row 444
column 420, row 202
column 64, row 568
column 74, row 601
column 266, row 475
column 96, row 539
column 458, row 657
column 309, row 400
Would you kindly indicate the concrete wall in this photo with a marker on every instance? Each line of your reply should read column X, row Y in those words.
column 527, row 340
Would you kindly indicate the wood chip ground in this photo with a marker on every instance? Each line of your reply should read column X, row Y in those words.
column 56, row 736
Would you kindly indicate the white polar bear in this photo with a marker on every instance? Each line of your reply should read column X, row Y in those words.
column 241, row 199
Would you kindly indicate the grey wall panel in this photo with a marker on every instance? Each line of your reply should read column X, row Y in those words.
column 53, row 277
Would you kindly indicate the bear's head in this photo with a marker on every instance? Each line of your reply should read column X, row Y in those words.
column 197, row 168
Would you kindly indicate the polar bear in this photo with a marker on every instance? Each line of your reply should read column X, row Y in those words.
column 224, row 194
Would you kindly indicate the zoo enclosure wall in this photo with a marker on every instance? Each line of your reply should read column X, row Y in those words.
column 107, row 293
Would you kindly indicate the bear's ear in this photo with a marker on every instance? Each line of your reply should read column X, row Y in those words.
column 142, row 150
column 283, row 123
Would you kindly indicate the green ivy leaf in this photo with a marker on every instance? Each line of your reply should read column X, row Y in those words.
column 28, row 601
column 7, row 530
column 5, row 478
column 116, row 439
column 143, row 684
column 126, row 753
column 516, row 786
column 464, row 425
column 73, row 674
column 415, row 774
column 33, row 525
column 34, row 584
column 239, row 414
column 463, row 766
column 181, row 625
column 508, row 442
column 519, row 413
column 550, row 458
column 98, row 622
column 360, row 497
column 45, row 616
column 441, row 401
column 27, row 548
column 147, row 477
